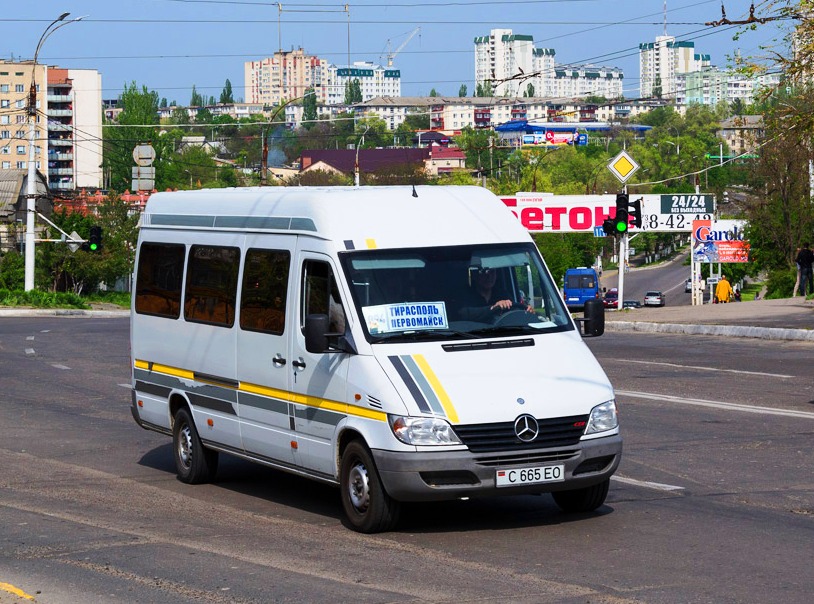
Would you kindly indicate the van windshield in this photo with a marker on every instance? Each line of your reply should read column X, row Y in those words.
column 453, row 292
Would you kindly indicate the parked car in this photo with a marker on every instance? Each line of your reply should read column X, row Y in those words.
column 688, row 286
column 611, row 298
column 654, row 298
column 631, row 304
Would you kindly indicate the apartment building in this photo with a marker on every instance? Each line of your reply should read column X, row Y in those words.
column 74, row 111
column 661, row 61
column 285, row 75
column 742, row 133
column 68, row 124
column 374, row 81
column 712, row 86
column 587, row 80
column 15, row 82
column 510, row 63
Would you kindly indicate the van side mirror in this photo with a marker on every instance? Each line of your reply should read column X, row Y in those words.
column 316, row 333
column 318, row 339
column 593, row 321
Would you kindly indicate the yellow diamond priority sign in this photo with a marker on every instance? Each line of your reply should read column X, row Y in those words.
column 623, row 166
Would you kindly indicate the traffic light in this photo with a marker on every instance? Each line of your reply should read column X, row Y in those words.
column 636, row 212
column 95, row 239
column 622, row 219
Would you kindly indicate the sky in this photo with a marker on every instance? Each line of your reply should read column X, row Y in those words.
column 169, row 46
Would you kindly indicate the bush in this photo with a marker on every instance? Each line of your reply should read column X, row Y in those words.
column 780, row 283
column 41, row 299
column 12, row 271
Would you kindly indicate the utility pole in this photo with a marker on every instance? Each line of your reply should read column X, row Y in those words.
column 31, row 188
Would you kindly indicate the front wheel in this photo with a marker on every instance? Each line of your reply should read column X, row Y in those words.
column 368, row 508
column 582, row 500
column 194, row 463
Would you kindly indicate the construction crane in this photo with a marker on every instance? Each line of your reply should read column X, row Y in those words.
column 392, row 55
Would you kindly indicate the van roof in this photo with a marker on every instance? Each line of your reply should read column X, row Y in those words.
column 362, row 217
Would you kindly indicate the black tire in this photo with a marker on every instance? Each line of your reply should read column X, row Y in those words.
column 368, row 508
column 194, row 463
column 582, row 500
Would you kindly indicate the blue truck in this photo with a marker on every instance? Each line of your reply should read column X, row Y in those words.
column 580, row 284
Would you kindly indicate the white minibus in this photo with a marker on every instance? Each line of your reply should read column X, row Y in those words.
column 406, row 344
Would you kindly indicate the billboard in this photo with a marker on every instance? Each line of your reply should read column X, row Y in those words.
column 547, row 213
column 719, row 241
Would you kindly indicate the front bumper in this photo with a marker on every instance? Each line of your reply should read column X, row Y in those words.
column 456, row 474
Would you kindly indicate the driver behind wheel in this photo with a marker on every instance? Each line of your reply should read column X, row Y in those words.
column 483, row 300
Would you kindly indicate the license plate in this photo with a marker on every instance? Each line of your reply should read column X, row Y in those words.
column 513, row 478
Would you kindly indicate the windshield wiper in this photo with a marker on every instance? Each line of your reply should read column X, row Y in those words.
column 422, row 334
column 494, row 329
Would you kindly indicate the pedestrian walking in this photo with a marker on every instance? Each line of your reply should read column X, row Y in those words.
column 723, row 291
column 804, row 259
column 797, row 264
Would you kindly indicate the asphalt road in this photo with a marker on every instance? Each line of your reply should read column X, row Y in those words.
column 713, row 502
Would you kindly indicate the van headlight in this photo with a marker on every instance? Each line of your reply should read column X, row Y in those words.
column 423, row 430
column 603, row 417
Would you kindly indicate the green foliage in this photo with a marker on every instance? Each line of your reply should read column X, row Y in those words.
column 309, row 109
column 462, row 91
column 41, row 299
column 780, row 283
column 197, row 99
column 353, row 92
column 562, row 251
column 226, row 96
column 12, row 270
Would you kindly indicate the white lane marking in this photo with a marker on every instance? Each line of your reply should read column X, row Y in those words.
column 647, row 484
column 777, row 375
column 44, row 330
column 128, row 386
column 30, row 352
column 58, row 366
column 718, row 404
column 30, row 338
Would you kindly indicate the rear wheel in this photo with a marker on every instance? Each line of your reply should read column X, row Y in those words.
column 582, row 500
column 194, row 463
column 368, row 508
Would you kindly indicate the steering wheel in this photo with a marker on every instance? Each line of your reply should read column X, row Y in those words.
column 516, row 315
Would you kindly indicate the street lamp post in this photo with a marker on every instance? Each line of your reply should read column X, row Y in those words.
column 31, row 189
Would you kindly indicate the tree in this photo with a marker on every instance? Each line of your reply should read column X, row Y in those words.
column 656, row 87
column 433, row 93
column 197, row 99
column 353, row 92
column 309, row 109
column 226, row 94
column 529, row 90
column 462, row 91
column 139, row 109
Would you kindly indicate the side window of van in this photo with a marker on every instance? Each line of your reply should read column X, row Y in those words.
column 158, row 279
column 211, row 286
column 263, row 296
column 321, row 295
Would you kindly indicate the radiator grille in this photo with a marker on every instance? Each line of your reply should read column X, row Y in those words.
column 553, row 432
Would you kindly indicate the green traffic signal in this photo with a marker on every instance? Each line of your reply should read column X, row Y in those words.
column 621, row 221
column 95, row 239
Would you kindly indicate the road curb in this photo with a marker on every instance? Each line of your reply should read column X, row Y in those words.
column 742, row 331
column 62, row 312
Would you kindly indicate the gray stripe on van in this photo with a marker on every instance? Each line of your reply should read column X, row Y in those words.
column 215, row 404
column 319, row 415
column 263, row 402
column 227, row 394
column 268, row 223
column 422, row 382
column 408, row 380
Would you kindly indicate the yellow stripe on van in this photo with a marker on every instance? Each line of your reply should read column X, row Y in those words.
column 442, row 395
column 181, row 373
column 370, row 243
column 321, row 403
column 139, row 364
column 265, row 391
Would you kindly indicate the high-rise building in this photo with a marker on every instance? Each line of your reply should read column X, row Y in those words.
column 374, row 81
column 661, row 61
column 509, row 64
column 74, row 111
column 67, row 128
column 285, row 76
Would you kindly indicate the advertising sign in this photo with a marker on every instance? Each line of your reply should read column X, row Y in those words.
column 719, row 241
column 547, row 213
